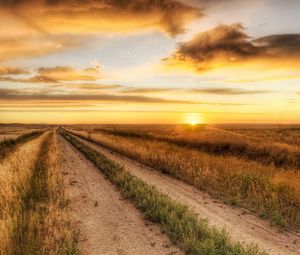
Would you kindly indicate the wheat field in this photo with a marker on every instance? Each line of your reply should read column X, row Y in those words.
column 252, row 171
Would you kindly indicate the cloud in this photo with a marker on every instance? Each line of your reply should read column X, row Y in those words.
column 227, row 91
column 65, row 73
column 44, row 105
column 228, row 45
column 47, row 96
column 55, row 74
column 13, row 94
column 265, row 79
column 95, row 63
column 91, row 86
column 294, row 101
column 6, row 70
column 169, row 16
column 34, row 79
column 146, row 90
column 34, row 28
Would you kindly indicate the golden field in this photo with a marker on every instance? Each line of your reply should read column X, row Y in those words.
column 251, row 170
column 243, row 170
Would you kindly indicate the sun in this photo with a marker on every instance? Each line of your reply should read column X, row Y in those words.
column 193, row 122
column 193, row 119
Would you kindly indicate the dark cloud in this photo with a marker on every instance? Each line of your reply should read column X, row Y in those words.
column 279, row 45
column 54, row 70
column 168, row 15
column 228, row 91
column 45, row 105
column 229, row 45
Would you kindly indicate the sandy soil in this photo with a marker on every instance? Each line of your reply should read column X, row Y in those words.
column 108, row 224
column 243, row 227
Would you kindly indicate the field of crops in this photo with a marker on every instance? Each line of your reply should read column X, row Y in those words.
column 247, row 171
column 189, row 182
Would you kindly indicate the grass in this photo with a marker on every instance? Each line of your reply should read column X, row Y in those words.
column 287, row 135
column 35, row 214
column 183, row 227
column 272, row 193
column 8, row 145
column 218, row 142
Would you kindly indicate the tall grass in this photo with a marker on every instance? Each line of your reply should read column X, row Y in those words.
column 272, row 193
column 176, row 220
column 218, row 142
column 8, row 145
column 38, row 211
column 288, row 135
column 16, row 170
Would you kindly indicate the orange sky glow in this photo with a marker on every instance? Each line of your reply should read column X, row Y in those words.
column 161, row 62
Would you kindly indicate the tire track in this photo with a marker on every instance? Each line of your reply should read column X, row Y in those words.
column 108, row 224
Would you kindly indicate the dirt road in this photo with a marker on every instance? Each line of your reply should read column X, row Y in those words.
column 243, row 227
column 108, row 223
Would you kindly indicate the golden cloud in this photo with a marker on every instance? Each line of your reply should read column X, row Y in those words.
column 229, row 45
column 74, row 16
column 53, row 75
column 34, row 79
column 8, row 70
column 65, row 73
column 44, row 95
column 133, row 90
column 227, row 91
column 35, row 28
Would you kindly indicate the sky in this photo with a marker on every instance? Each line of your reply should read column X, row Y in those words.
column 149, row 61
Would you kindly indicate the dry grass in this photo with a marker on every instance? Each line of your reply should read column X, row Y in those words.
column 184, row 227
column 287, row 135
column 16, row 171
column 34, row 217
column 263, row 189
column 8, row 132
column 219, row 142
column 9, row 145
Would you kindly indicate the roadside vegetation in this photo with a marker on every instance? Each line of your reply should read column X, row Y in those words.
column 33, row 213
column 8, row 145
column 269, row 191
column 194, row 235
column 288, row 135
column 221, row 142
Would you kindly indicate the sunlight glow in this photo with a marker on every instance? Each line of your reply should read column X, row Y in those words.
column 193, row 118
